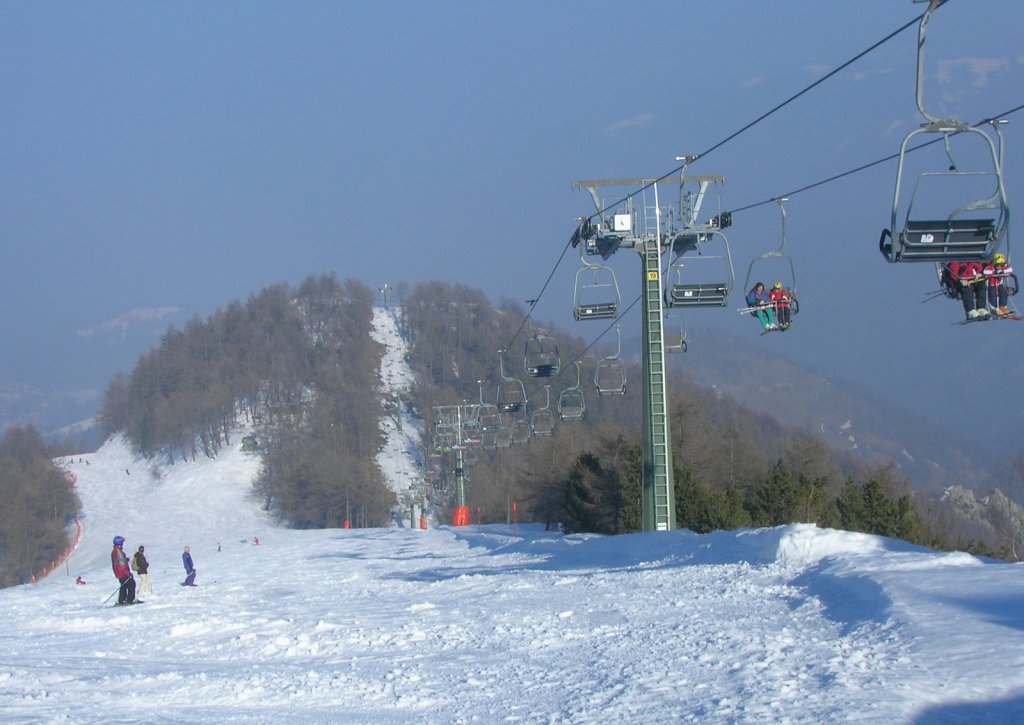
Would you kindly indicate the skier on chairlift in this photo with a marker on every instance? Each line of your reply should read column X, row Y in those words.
column 781, row 298
column 968, row 283
column 757, row 299
column 996, row 273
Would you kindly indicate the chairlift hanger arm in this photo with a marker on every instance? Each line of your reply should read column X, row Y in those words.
column 935, row 123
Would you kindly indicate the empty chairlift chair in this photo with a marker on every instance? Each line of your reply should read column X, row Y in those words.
column 610, row 373
column 675, row 338
column 511, row 396
column 541, row 357
column 488, row 421
column 699, row 275
column 503, row 437
column 596, row 292
column 953, row 226
column 521, row 431
column 571, row 404
column 542, row 420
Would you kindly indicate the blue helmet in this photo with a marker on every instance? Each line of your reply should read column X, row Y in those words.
column 118, row 541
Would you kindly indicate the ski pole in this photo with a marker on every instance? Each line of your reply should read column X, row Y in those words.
column 110, row 597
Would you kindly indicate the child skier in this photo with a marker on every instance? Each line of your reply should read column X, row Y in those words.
column 190, row 571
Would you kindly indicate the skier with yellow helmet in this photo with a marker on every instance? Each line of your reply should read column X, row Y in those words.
column 998, row 274
column 781, row 298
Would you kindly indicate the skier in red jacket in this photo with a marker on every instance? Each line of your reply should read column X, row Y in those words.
column 119, row 563
column 996, row 274
column 969, row 284
column 780, row 298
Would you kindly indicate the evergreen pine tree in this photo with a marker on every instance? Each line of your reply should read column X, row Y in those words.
column 775, row 502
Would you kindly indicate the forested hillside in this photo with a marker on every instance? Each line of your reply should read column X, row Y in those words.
column 299, row 365
column 39, row 506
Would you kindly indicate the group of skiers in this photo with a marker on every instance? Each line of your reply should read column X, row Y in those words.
column 983, row 288
column 123, row 572
column 773, row 309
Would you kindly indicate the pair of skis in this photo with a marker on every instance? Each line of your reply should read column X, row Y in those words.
column 990, row 316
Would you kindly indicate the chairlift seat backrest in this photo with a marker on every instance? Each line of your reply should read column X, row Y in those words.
column 541, row 358
column 947, row 240
column 541, row 371
column 596, row 311
column 698, row 295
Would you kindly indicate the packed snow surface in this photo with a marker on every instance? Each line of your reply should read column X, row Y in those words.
column 495, row 623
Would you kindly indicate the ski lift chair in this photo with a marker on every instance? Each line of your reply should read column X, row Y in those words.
column 963, row 234
column 771, row 256
column 511, row 396
column 521, row 431
column 712, row 293
column 488, row 417
column 675, row 341
column 571, row 404
column 596, row 292
column 610, row 373
column 541, row 358
column 542, row 420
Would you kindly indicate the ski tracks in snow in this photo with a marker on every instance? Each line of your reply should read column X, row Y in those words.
column 400, row 460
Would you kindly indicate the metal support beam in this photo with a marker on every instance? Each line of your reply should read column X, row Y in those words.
column 658, row 499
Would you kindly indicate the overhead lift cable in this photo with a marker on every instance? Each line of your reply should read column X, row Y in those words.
column 712, row 148
column 763, row 116
column 864, row 167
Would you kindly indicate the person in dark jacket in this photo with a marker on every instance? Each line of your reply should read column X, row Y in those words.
column 119, row 563
column 141, row 566
column 757, row 299
column 190, row 570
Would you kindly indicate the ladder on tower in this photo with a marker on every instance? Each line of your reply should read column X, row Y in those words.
column 659, row 468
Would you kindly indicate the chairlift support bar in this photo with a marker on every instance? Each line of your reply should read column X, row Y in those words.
column 592, row 185
column 776, row 253
column 935, row 123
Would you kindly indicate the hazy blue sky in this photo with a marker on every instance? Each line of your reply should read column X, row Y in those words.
column 183, row 155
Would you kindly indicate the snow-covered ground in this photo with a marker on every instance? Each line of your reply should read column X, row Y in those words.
column 494, row 623
column 478, row 625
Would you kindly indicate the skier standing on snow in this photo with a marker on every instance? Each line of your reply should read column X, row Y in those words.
column 119, row 563
column 190, row 571
column 140, row 565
